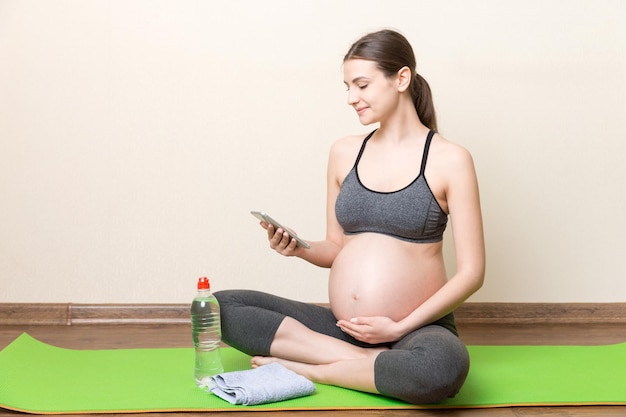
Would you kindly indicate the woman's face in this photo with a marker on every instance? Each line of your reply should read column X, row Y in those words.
column 373, row 95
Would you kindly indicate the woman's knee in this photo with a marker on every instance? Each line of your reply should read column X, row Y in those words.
column 225, row 296
column 428, row 373
column 246, row 325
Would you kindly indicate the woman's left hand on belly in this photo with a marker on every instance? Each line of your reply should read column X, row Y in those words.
column 373, row 330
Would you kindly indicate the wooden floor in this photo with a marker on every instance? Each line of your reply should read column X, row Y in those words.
column 178, row 335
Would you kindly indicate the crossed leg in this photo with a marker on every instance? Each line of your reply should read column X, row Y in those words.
column 321, row 358
column 426, row 366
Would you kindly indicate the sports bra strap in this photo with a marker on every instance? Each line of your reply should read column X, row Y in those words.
column 358, row 158
column 429, row 138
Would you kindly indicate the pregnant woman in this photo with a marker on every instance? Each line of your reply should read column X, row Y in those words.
column 390, row 326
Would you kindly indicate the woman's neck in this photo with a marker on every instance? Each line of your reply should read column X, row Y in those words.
column 400, row 130
column 403, row 123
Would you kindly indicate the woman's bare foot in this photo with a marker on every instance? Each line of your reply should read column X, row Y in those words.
column 306, row 369
column 257, row 361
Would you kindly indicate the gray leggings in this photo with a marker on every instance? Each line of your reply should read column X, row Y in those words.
column 426, row 366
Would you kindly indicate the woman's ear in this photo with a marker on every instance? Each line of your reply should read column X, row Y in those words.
column 404, row 78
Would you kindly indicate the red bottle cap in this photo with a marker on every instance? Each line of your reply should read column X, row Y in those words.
column 203, row 283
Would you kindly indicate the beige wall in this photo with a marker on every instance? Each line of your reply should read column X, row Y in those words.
column 135, row 136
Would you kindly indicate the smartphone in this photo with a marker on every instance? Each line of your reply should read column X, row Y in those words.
column 264, row 217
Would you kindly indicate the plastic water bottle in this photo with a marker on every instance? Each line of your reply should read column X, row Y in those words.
column 207, row 334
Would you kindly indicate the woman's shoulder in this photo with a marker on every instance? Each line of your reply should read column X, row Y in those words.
column 351, row 140
column 343, row 154
column 449, row 153
column 347, row 146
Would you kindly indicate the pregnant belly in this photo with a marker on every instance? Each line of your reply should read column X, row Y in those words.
column 377, row 275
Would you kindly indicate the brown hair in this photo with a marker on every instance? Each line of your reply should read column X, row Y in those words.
column 392, row 51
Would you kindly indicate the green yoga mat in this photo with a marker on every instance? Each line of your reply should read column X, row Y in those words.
column 43, row 379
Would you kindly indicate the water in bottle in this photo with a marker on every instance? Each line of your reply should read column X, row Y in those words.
column 207, row 334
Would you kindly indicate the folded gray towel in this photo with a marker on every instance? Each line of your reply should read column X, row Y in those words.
column 265, row 384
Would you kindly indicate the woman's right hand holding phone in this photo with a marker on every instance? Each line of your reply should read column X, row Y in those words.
column 280, row 240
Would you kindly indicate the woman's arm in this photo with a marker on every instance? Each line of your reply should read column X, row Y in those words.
column 321, row 253
column 463, row 201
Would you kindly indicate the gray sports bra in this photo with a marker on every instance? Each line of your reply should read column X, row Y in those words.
column 411, row 213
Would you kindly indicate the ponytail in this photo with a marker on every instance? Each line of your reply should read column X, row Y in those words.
column 423, row 100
